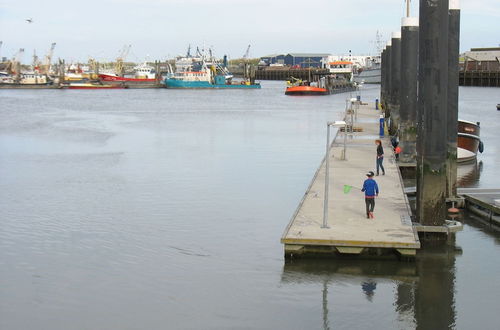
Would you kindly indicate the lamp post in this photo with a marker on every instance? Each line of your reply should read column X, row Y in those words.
column 327, row 166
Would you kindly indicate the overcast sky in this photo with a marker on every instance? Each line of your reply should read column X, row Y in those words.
column 164, row 28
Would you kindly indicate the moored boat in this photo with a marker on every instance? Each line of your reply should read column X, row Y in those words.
column 305, row 90
column 205, row 73
column 109, row 77
column 142, row 73
column 468, row 141
column 27, row 78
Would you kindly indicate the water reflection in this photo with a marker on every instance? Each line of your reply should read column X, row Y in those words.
column 421, row 292
column 468, row 175
column 369, row 289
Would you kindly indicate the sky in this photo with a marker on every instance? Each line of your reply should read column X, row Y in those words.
column 161, row 29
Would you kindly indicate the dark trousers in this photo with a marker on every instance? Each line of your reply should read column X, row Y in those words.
column 379, row 165
column 370, row 205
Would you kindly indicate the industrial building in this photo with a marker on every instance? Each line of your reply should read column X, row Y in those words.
column 302, row 60
column 481, row 59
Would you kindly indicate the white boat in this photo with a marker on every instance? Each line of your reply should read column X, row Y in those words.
column 144, row 71
column 368, row 75
column 27, row 78
column 370, row 71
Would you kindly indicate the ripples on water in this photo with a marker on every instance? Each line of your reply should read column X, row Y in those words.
column 147, row 209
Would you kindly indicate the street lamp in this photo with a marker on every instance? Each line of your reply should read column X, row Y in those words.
column 337, row 123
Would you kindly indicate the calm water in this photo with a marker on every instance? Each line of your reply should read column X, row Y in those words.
column 163, row 209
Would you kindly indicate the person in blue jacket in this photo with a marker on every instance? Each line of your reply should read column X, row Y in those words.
column 370, row 188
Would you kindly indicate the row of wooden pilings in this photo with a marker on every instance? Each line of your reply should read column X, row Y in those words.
column 480, row 78
column 419, row 93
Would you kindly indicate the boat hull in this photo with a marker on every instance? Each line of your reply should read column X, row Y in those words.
column 176, row 83
column 468, row 141
column 93, row 87
column 306, row 90
column 368, row 76
column 106, row 77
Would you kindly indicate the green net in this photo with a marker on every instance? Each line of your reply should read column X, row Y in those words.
column 347, row 188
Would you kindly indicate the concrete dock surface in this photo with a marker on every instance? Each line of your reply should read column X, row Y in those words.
column 349, row 231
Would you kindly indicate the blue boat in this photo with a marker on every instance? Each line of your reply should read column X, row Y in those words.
column 198, row 73
column 219, row 81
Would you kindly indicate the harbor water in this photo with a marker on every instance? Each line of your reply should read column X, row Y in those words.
column 163, row 209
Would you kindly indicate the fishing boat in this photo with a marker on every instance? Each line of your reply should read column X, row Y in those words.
column 370, row 71
column 142, row 73
column 28, row 78
column 368, row 75
column 110, row 77
column 205, row 79
column 468, row 142
column 204, row 71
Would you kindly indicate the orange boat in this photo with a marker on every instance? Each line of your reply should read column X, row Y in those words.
column 306, row 90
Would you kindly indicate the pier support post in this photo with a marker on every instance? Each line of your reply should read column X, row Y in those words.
column 408, row 97
column 453, row 79
column 395, row 80
column 432, row 146
column 387, row 101
column 382, row 78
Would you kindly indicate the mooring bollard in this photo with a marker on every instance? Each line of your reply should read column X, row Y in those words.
column 381, row 133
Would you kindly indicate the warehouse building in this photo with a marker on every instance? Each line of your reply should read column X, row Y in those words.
column 481, row 59
column 302, row 60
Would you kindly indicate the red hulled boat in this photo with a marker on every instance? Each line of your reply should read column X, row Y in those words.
column 108, row 77
column 468, row 141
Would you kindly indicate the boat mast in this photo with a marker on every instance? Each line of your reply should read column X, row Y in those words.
column 407, row 8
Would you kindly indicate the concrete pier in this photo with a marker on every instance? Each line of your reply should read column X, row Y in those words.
column 349, row 231
column 432, row 141
column 452, row 115
column 395, row 81
column 408, row 94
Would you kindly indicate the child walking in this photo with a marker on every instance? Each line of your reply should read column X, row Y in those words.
column 370, row 188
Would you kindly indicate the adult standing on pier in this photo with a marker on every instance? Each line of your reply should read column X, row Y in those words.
column 380, row 157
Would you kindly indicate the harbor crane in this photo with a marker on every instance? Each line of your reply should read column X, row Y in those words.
column 48, row 58
column 120, row 59
column 14, row 66
column 36, row 62
column 245, row 56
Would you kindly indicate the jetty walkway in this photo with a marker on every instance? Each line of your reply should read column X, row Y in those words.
column 349, row 231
